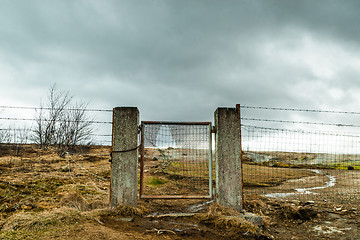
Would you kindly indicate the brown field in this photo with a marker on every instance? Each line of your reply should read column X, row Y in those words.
column 44, row 196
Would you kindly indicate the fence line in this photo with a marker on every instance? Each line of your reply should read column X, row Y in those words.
column 80, row 166
column 283, row 162
column 301, row 122
column 301, row 163
column 299, row 110
column 50, row 120
column 345, row 134
column 16, row 124
column 48, row 108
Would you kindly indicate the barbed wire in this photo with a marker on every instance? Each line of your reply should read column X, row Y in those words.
column 93, row 174
column 242, row 106
column 32, row 130
column 300, row 110
column 48, row 120
column 300, row 122
column 303, row 131
column 48, row 108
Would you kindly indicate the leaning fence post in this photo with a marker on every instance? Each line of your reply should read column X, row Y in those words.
column 228, row 158
column 124, row 162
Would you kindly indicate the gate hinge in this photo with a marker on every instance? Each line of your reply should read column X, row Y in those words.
column 213, row 129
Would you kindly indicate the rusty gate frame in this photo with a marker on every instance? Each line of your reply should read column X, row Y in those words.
column 142, row 153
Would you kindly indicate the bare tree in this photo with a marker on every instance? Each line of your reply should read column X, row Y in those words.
column 5, row 135
column 62, row 123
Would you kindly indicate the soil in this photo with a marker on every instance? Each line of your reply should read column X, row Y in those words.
column 44, row 196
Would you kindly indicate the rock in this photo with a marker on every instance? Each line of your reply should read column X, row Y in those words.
column 65, row 169
column 171, row 215
column 307, row 213
column 309, row 203
column 253, row 218
column 128, row 219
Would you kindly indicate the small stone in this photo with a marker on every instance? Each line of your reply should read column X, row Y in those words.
column 26, row 207
column 255, row 219
column 338, row 209
column 129, row 219
column 309, row 203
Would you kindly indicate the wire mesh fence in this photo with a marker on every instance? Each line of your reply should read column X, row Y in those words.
column 304, row 164
column 176, row 159
column 281, row 158
column 34, row 177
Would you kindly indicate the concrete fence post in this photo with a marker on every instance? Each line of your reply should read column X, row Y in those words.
column 228, row 158
column 124, row 163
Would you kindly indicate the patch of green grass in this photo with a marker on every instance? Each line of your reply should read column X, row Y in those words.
column 346, row 164
column 156, row 182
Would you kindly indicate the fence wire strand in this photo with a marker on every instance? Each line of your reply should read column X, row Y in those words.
column 299, row 110
column 48, row 108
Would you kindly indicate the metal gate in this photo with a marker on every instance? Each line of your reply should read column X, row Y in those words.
column 176, row 160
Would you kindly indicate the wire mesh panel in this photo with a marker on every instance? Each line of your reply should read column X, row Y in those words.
column 175, row 160
column 307, row 165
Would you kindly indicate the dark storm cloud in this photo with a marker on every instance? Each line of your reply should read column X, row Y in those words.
column 180, row 60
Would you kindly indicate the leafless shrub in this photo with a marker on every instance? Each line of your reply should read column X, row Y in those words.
column 62, row 123
column 5, row 136
column 19, row 136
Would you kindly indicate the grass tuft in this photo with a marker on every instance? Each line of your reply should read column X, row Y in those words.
column 225, row 219
column 156, row 182
column 37, row 221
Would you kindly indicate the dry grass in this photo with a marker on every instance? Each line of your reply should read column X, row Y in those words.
column 34, row 221
column 225, row 219
column 43, row 198
column 291, row 212
column 282, row 210
column 65, row 222
column 127, row 211
column 262, row 176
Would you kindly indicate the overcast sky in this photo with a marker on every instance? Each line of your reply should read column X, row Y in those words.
column 180, row 60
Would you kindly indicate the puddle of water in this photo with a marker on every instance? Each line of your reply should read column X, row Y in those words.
column 278, row 195
column 199, row 206
column 329, row 230
column 330, row 183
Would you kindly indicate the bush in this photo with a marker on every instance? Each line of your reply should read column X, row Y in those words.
column 62, row 123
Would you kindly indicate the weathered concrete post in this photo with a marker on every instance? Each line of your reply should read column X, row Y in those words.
column 228, row 158
column 124, row 164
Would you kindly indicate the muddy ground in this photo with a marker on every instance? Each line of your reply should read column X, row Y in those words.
column 44, row 196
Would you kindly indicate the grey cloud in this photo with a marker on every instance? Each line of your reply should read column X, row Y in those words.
column 166, row 55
